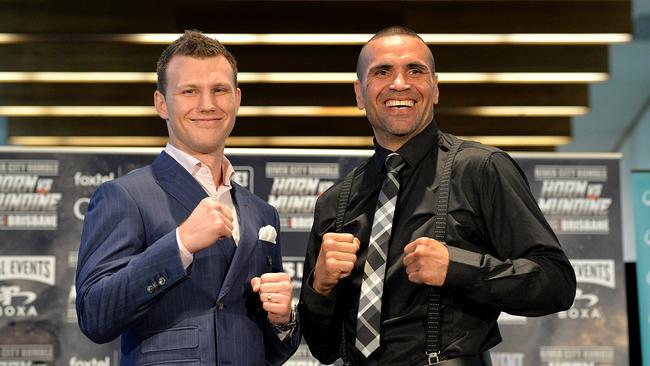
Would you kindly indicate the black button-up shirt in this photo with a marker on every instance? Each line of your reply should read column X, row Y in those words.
column 503, row 255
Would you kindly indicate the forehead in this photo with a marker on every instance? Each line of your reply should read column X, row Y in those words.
column 183, row 69
column 396, row 50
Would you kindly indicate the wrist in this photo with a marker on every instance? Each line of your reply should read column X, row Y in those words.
column 290, row 325
column 184, row 240
column 320, row 287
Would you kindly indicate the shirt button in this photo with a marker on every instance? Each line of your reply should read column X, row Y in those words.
column 151, row 289
column 220, row 305
column 162, row 281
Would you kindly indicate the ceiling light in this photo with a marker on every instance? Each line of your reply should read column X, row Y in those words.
column 304, row 77
column 283, row 111
column 328, row 38
column 256, row 141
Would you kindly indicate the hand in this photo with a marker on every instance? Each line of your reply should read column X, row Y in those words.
column 338, row 253
column 275, row 291
column 209, row 222
column 426, row 261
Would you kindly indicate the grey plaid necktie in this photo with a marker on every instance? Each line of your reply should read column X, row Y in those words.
column 369, row 315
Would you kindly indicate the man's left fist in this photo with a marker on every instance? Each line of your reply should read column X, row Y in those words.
column 426, row 261
column 275, row 292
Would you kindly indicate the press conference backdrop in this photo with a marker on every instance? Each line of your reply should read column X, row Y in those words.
column 44, row 195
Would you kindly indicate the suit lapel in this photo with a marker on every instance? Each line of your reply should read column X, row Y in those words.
column 247, row 237
column 177, row 182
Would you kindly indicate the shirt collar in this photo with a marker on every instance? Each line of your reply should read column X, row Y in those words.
column 414, row 150
column 189, row 163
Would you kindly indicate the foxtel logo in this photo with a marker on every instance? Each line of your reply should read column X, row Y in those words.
column 74, row 361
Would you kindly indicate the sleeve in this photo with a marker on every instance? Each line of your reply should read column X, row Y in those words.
column 527, row 273
column 120, row 276
column 279, row 349
column 321, row 324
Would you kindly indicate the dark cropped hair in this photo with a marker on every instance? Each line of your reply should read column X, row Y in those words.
column 395, row 30
column 192, row 43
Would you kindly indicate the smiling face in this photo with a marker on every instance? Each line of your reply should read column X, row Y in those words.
column 397, row 87
column 200, row 103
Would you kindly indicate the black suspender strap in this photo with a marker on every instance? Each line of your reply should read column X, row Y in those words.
column 433, row 333
column 341, row 207
column 344, row 196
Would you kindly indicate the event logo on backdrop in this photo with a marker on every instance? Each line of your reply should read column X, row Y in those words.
column 44, row 196
column 27, row 201
column 18, row 275
column 579, row 198
column 571, row 198
column 295, row 189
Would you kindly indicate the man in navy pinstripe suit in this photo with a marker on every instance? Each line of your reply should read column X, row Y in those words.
column 177, row 258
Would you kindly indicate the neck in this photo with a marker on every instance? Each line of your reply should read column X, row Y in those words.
column 214, row 162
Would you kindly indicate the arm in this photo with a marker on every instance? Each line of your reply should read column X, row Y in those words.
column 529, row 274
column 329, row 257
column 117, row 270
column 279, row 308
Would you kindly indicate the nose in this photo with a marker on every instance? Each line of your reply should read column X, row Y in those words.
column 399, row 83
column 206, row 102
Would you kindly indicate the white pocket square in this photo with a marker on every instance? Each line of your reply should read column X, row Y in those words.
column 267, row 233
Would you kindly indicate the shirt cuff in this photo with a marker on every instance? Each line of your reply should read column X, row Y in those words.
column 463, row 267
column 186, row 257
column 285, row 330
column 315, row 302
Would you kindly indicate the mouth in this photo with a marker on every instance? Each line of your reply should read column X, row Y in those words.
column 205, row 120
column 399, row 103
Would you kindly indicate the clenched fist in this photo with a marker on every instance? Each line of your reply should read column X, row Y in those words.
column 338, row 253
column 209, row 222
column 275, row 293
column 426, row 261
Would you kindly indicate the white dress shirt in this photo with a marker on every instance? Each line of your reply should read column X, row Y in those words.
column 203, row 175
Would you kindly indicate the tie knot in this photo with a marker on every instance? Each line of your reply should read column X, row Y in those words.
column 394, row 162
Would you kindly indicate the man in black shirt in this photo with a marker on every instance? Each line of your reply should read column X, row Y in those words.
column 499, row 254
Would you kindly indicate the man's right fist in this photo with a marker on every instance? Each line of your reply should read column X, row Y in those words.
column 209, row 222
column 338, row 252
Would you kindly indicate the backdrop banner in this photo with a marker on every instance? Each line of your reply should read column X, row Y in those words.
column 641, row 199
column 44, row 194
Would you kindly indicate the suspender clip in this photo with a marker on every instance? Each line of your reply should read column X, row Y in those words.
column 433, row 358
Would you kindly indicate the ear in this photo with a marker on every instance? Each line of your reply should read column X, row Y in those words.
column 160, row 104
column 436, row 91
column 359, row 96
column 237, row 99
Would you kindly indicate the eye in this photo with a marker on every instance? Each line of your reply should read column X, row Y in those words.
column 221, row 90
column 417, row 71
column 188, row 92
column 381, row 72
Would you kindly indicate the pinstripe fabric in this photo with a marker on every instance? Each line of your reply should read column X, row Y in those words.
column 129, row 243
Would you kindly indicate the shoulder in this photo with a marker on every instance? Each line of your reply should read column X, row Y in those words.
column 331, row 195
column 475, row 155
column 488, row 169
column 128, row 185
column 136, row 178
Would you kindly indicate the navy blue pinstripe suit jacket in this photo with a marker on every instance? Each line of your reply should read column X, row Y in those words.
column 130, row 280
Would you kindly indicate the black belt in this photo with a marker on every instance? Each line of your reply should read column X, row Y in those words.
column 482, row 359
